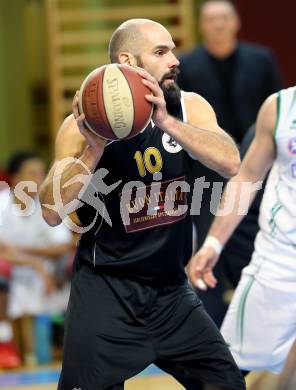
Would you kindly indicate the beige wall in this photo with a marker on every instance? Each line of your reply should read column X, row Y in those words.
column 24, row 110
column 15, row 110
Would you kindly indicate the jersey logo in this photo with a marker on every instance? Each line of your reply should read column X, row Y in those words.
column 169, row 144
column 292, row 146
column 157, row 204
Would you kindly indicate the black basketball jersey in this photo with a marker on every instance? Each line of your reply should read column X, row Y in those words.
column 148, row 240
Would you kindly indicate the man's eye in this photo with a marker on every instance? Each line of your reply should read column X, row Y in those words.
column 159, row 53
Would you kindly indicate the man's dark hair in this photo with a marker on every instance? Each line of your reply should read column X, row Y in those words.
column 16, row 161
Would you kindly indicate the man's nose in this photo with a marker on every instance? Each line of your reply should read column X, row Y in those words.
column 174, row 61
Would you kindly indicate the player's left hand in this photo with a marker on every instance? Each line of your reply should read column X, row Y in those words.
column 160, row 114
column 200, row 268
column 95, row 142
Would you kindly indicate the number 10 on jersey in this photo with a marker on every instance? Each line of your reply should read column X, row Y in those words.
column 151, row 160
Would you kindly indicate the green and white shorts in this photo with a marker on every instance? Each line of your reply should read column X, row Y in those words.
column 260, row 324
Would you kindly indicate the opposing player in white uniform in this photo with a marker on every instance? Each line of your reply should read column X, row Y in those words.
column 260, row 325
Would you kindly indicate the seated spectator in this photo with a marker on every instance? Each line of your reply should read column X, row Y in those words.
column 34, row 248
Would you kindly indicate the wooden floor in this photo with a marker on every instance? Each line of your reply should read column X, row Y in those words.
column 45, row 378
column 149, row 383
column 255, row 381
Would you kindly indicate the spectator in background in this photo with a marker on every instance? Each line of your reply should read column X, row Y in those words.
column 235, row 77
column 9, row 356
column 31, row 245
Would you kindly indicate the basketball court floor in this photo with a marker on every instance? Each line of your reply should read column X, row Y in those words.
column 45, row 378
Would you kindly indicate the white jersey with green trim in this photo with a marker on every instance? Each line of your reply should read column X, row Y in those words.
column 277, row 218
column 260, row 323
column 285, row 136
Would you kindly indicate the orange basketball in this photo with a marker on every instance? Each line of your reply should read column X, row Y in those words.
column 113, row 101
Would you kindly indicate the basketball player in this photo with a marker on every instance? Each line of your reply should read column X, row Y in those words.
column 130, row 302
column 260, row 323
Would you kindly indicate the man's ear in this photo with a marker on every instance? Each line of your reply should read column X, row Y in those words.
column 238, row 24
column 127, row 59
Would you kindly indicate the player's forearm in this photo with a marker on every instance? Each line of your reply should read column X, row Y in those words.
column 236, row 200
column 57, row 182
column 54, row 252
column 215, row 150
column 20, row 258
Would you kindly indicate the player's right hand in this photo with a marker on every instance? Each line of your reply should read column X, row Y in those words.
column 94, row 141
column 200, row 268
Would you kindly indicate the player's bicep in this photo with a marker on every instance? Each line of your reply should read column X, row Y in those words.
column 201, row 114
column 69, row 141
column 69, row 144
column 261, row 154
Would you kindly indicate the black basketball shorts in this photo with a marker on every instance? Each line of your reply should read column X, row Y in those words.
column 117, row 327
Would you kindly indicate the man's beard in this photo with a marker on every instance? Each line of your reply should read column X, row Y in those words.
column 172, row 92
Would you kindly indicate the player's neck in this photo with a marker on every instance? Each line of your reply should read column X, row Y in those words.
column 221, row 49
